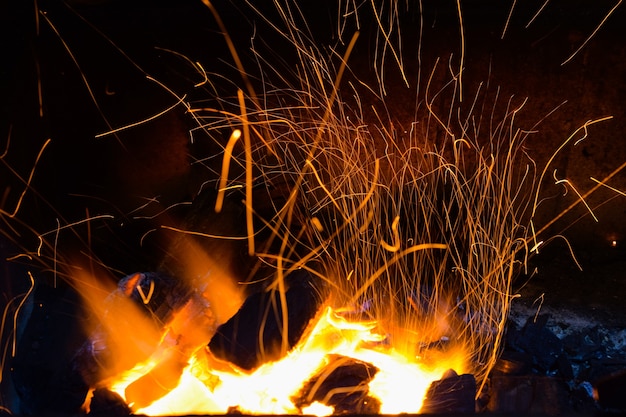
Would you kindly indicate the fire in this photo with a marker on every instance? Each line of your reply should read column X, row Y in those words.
column 399, row 384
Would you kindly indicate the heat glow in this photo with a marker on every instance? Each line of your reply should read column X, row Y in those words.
column 275, row 388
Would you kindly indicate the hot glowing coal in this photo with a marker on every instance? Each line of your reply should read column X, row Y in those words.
column 334, row 364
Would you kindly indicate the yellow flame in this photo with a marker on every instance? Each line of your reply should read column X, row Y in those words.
column 400, row 383
column 318, row 409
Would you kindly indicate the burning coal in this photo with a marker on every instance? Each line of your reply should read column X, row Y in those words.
column 334, row 362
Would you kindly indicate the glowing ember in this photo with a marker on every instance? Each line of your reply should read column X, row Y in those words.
column 399, row 383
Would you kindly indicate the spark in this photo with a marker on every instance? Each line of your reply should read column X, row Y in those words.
column 580, row 197
column 146, row 120
column 68, row 226
column 209, row 235
column 396, row 237
column 231, row 47
column 5, row 314
column 145, row 298
column 317, row 224
column 541, row 300
column 54, row 260
column 248, row 160
column 39, row 88
column 196, row 65
column 27, row 182
column 536, row 247
column 582, row 128
column 17, row 312
column 604, row 184
column 592, row 33
column 82, row 74
column 377, row 274
column 508, row 19
column 228, row 151
column 165, row 210
column 462, row 62
column 586, row 194
column 388, row 45
column 543, row 6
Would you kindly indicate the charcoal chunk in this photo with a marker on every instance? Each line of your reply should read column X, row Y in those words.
column 528, row 394
column 237, row 340
column 564, row 366
column 108, row 403
column 453, row 394
column 342, row 384
column 163, row 378
column 537, row 340
column 512, row 363
column 610, row 390
column 41, row 371
column 166, row 294
column 156, row 294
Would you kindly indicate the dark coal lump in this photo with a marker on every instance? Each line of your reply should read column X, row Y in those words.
column 237, row 341
column 167, row 295
column 610, row 392
column 108, row 403
column 539, row 341
column 453, row 394
column 41, row 370
column 538, row 372
column 342, row 384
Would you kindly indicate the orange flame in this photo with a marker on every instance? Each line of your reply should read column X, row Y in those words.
column 400, row 383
